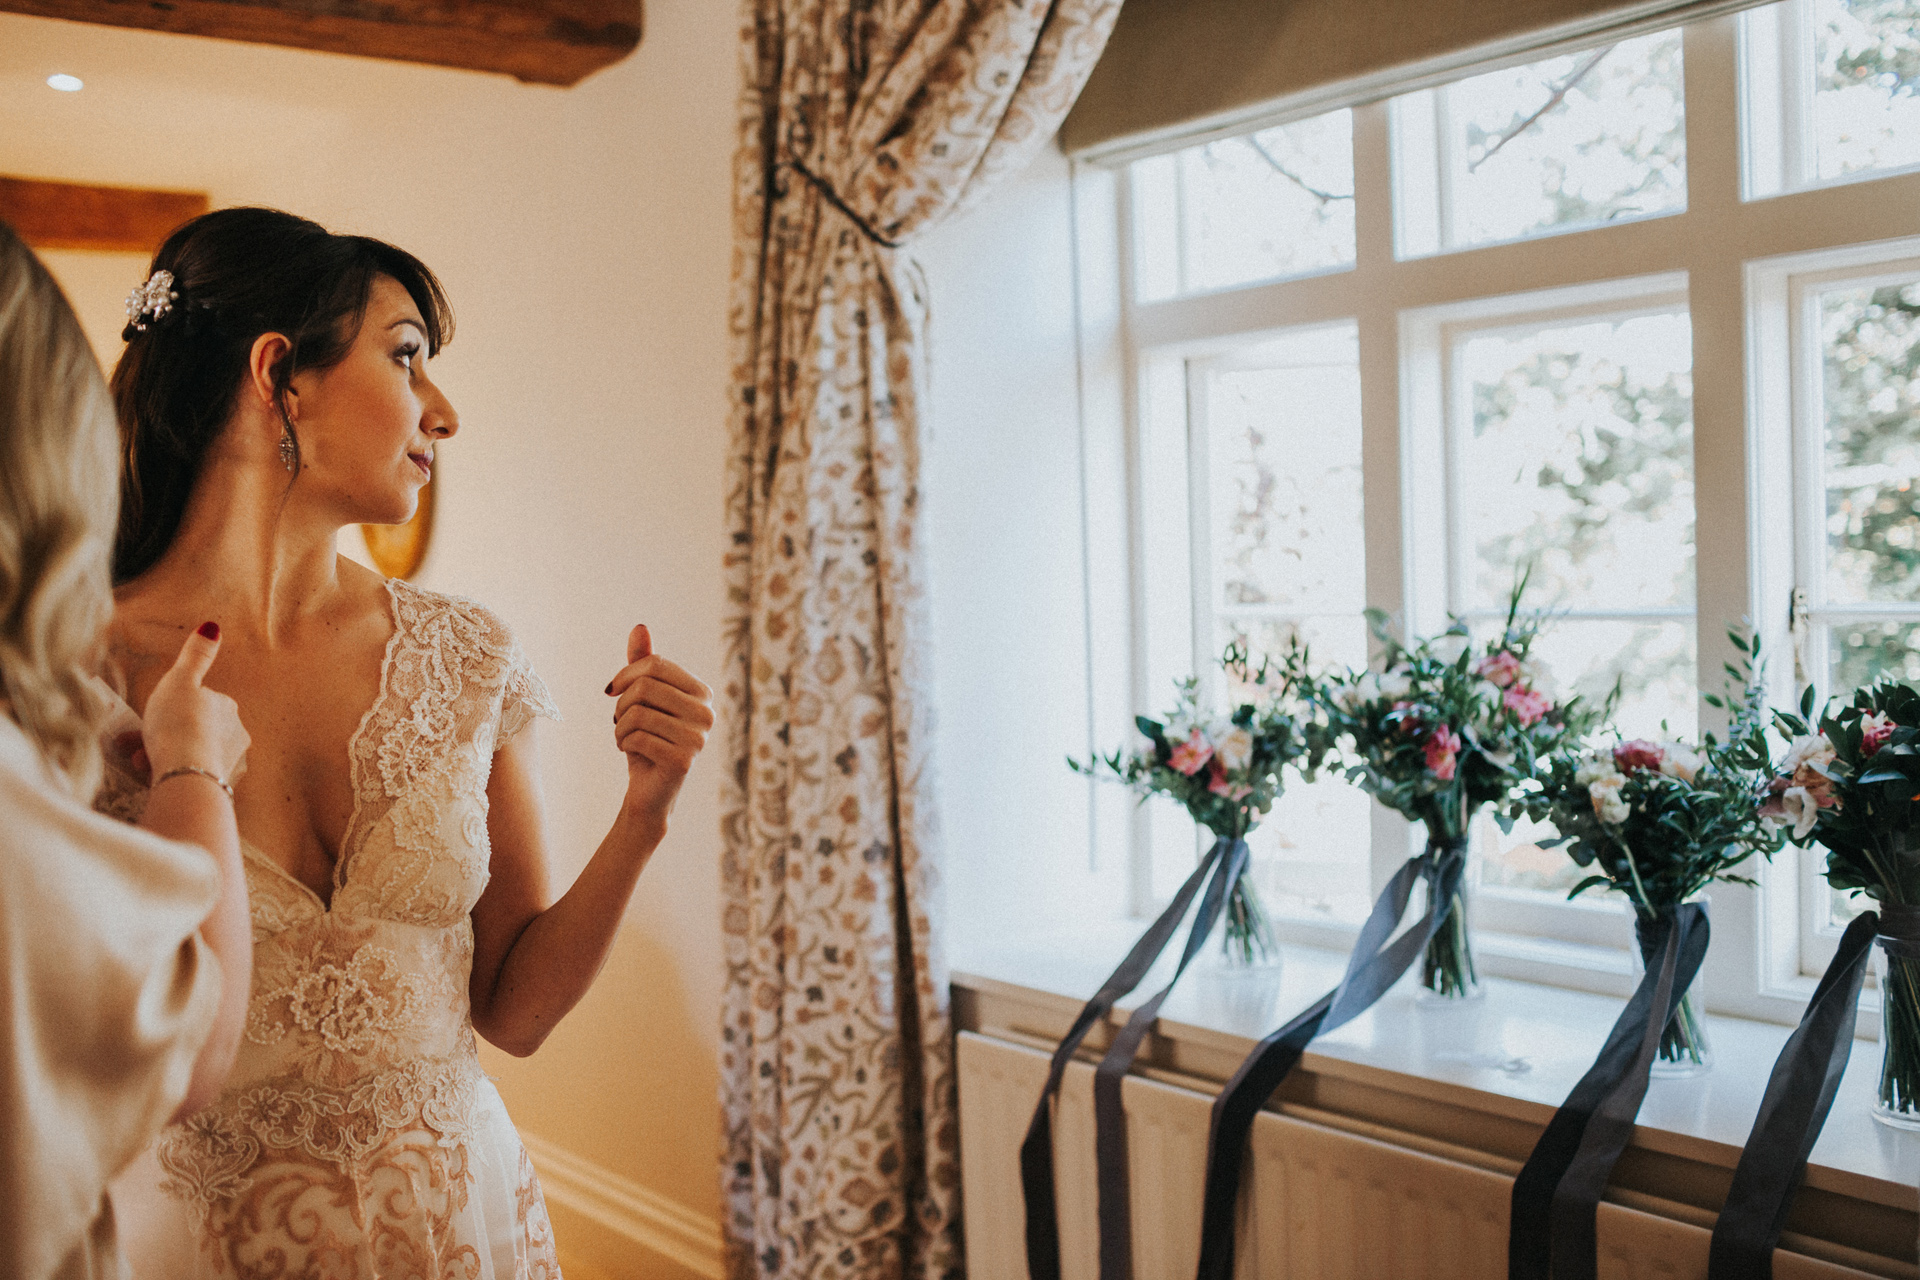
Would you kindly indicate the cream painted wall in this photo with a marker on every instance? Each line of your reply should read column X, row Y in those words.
column 583, row 235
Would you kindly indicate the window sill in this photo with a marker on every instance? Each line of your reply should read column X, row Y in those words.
column 1477, row 1082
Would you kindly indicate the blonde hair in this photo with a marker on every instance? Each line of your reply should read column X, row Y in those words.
column 59, row 497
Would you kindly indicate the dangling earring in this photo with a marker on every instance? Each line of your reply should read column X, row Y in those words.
column 289, row 451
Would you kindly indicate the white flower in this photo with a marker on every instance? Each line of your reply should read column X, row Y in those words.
column 1395, row 685
column 1802, row 808
column 1813, row 749
column 1234, row 748
column 1679, row 761
column 1608, row 805
column 1596, row 767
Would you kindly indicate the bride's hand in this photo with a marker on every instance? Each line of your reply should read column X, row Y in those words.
column 660, row 720
column 188, row 725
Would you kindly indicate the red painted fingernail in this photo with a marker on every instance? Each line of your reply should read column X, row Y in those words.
column 211, row 630
column 609, row 687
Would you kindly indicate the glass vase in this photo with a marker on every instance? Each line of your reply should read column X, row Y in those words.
column 1248, row 943
column 1685, row 1049
column 1447, row 972
column 1897, row 1103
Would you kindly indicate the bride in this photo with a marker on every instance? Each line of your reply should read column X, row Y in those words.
column 275, row 388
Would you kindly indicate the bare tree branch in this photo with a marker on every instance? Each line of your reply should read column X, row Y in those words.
column 1553, row 100
column 1324, row 197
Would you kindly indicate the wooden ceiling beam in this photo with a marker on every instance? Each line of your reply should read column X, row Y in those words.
column 67, row 215
column 556, row 42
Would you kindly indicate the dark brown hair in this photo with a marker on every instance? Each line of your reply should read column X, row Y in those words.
column 238, row 273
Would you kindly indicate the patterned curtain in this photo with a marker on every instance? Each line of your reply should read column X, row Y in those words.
column 863, row 123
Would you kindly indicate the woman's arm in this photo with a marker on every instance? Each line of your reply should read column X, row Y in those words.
column 191, row 728
column 534, row 959
column 191, row 808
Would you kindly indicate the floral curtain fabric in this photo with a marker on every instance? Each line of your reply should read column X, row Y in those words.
column 863, row 122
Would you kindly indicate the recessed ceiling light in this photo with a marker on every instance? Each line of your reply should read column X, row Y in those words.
column 65, row 83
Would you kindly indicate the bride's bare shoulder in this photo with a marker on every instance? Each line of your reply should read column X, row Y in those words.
column 367, row 589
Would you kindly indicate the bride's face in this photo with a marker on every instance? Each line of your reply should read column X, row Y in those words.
column 368, row 426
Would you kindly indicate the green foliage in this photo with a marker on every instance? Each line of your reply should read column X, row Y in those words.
column 1443, row 728
column 1866, row 756
column 1660, row 821
column 1226, row 771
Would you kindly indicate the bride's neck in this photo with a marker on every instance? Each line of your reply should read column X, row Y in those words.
column 249, row 552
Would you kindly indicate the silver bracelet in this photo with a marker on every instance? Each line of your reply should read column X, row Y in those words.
column 208, row 774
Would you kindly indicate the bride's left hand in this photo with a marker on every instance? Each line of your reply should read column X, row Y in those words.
column 661, row 717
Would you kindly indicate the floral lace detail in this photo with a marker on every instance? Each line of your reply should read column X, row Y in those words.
column 454, row 685
column 355, row 1130
column 210, row 1158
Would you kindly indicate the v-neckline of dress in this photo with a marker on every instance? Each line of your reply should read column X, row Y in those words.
column 344, row 855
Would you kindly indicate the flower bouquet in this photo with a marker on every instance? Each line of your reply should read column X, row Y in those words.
column 1226, row 770
column 1442, row 729
column 1853, row 785
column 1659, row 821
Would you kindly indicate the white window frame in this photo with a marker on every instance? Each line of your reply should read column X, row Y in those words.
column 1588, row 931
column 1798, row 939
column 1778, row 147
column 1720, row 246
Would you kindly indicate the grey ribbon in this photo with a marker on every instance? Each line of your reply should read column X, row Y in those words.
column 1556, row 1195
column 1374, row 966
column 1223, row 862
column 1800, row 1093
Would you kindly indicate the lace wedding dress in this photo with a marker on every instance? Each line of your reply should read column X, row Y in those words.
column 357, row 1137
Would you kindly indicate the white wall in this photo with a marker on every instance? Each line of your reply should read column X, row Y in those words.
column 1003, row 496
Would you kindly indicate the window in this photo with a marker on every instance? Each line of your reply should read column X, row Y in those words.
column 1832, row 92
column 1572, row 142
column 1546, row 316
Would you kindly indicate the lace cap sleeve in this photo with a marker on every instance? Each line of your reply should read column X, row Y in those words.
column 526, row 696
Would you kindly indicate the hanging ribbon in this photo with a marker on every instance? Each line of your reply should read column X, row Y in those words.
column 1556, row 1196
column 1800, row 1093
column 1374, row 966
column 1110, row 1118
column 1224, row 862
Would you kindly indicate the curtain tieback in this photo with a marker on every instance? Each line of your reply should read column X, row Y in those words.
column 833, row 198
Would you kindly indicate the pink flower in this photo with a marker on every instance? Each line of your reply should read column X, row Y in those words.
column 1442, row 747
column 1499, row 668
column 1876, row 727
column 1191, row 755
column 1219, row 785
column 1637, row 755
column 1528, row 706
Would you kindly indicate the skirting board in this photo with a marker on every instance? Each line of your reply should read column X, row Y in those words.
column 619, row 1226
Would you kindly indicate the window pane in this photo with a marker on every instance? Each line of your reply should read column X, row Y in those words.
column 1286, row 543
column 1570, row 142
column 1271, row 204
column 1866, row 98
column 1862, row 652
column 1579, row 463
column 1871, row 404
column 1516, row 860
column 1310, row 853
column 1284, row 483
column 1655, row 664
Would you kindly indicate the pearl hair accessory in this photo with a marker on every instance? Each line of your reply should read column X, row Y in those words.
column 151, row 301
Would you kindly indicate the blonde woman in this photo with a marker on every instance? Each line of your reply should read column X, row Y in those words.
column 124, row 953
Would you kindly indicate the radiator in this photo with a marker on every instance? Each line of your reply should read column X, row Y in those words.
column 1319, row 1203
